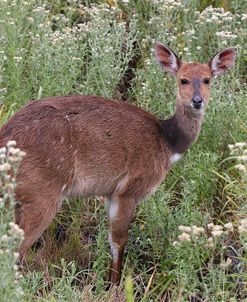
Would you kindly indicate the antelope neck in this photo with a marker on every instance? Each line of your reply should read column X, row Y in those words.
column 182, row 128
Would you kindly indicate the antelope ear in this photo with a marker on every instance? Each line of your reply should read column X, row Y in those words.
column 167, row 59
column 223, row 61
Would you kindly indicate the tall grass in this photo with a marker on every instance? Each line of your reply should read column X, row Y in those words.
column 64, row 47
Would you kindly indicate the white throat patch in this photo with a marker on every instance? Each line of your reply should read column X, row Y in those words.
column 175, row 157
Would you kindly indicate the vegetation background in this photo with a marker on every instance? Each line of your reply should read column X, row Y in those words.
column 51, row 47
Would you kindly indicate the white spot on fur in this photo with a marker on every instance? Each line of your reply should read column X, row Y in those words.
column 122, row 183
column 63, row 188
column 175, row 157
column 113, row 208
column 112, row 214
column 114, row 248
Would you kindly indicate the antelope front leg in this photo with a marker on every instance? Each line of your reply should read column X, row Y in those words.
column 120, row 213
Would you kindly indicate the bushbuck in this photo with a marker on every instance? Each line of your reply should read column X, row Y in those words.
column 93, row 146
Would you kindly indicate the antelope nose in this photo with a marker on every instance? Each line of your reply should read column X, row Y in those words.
column 197, row 102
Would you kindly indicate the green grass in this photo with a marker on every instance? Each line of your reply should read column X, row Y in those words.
column 60, row 48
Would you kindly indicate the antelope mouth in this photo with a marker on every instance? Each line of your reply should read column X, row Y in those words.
column 197, row 107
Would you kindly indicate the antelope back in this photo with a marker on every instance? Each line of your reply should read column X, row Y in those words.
column 86, row 145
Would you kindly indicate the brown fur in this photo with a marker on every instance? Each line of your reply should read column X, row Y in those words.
column 88, row 146
column 189, row 72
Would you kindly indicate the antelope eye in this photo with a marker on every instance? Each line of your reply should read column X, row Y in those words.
column 206, row 81
column 184, row 82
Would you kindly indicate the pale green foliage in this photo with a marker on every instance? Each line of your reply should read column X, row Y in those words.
column 59, row 48
column 10, row 234
column 43, row 55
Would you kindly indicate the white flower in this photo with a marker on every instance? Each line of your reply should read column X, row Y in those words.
column 226, row 263
column 243, row 157
column 241, row 168
column 5, row 238
column 210, row 226
column 5, row 167
column 217, row 227
column 16, row 255
column 14, row 151
column 17, row 59
column 243, row 221
column 185, row 229
column 3, row 150
column 229, row 227
column 18, row 275
column 9, row 186
column 216, row 230
column 197, row 230
column 242, row 228
column 226, row 35
column 244, row 17
column 216, row 233
column 15, row 230
column 210, row 242
column 184, row 237
column 240, row 144
column 30, row 19
column 15, row 267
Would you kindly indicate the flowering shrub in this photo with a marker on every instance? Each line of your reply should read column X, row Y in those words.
column 59, row 52
column 67, row 47
column 219, row 250
column 11, row 235
column 239, row 152
column 213, row 232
